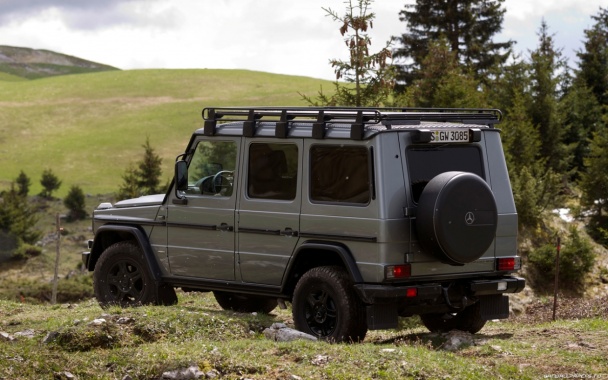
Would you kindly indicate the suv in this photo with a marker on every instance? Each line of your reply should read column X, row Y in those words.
column 354, row 215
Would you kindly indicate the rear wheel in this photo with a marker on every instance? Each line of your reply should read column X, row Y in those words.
column 122, row 278
column 245, row 303
column 467, row 320
column 325, row 305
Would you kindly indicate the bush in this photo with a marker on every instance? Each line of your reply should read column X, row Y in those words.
column 576, row 260
column 25, row 251
column 50, row 182
column 75, row 203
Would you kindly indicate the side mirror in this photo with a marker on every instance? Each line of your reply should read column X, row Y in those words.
column 181, row 175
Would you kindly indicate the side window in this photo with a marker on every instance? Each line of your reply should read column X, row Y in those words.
column 340, row 174
column 211, row 170
column 272, row 171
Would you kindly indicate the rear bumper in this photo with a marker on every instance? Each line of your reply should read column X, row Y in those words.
column 386, row 302
column 373, row 294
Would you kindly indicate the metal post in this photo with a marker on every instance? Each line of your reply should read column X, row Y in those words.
column 555, row 286
column 56, row 277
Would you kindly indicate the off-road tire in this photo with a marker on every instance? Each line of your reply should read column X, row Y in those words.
column 326, row 306
column 122, row 278
column 245, row 303
column 467, row 320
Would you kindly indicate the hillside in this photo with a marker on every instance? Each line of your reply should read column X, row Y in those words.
column 89, row 128
column 32, row 64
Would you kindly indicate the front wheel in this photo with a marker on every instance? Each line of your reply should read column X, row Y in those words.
column 122, row 278
column 467, row 320
column 326, row 306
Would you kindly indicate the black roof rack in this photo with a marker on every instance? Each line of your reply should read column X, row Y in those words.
column 358, row 117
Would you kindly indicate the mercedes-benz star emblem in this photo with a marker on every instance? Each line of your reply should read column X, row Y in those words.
column 469, row 218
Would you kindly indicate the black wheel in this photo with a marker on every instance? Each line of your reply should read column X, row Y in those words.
column 467, row 320
column 326, row 306
column 122, row 278
column 245, row 303
column 457, row 217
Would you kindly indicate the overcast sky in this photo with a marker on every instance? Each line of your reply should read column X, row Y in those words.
column 278, row 36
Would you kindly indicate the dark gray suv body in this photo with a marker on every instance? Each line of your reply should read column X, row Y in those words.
column 356, row 216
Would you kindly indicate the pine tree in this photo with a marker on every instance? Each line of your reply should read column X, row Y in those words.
column 370, row 76
column 149, row 171
column 17, row 217
column 23, row 184
column 594, row 182
column 593, row 65
column 581, row 115
column 442, row 82
column 50, row 182
column 143, row 178
column 535, row 188
column 75, row 203
column 547, row 65
column 469, row 27
column 129, row 189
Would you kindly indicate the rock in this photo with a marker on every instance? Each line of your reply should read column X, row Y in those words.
column 456, row 339
column 281, row 333
column 124, row 320
column 192, row 372
column 6, row 337
column 26, row 334
column 51, row 336
column 65, row 375
column 97, row 322
column 320, row 360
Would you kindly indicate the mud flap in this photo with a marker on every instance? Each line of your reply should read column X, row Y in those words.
column 382, row 316
column 494, row 307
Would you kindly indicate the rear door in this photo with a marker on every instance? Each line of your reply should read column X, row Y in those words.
column 269, row 208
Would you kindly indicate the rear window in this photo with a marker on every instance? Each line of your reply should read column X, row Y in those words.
column 425, row 162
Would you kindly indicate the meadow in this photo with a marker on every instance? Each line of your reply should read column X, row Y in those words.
column 89, row 128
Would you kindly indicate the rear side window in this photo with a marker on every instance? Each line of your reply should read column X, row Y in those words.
column 272, row 171
column 340, row 174
column 425, row 162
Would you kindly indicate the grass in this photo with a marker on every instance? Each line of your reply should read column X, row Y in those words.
column 148, row 341
column 88, row 128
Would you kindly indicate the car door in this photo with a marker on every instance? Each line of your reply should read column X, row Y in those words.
column 200, row 226
column 269, row 209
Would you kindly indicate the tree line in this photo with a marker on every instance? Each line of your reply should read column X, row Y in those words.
column 554, row 128
column 555, row 114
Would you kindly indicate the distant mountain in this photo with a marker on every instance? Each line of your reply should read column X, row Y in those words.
column 31, row 63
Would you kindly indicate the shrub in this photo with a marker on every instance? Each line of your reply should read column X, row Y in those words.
column 25, row 251
column 74, row 202
column 575, row 262
column 50, row 182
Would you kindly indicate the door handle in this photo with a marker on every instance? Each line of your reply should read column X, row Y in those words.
column 288, row 232
column 225, row 227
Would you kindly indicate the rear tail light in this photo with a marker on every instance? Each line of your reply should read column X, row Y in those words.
column 394, row 272
column 508, row 263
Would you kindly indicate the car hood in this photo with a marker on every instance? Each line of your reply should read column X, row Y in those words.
column 146, row 200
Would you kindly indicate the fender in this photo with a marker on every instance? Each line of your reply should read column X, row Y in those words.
column 108, row 234
column 340, row 249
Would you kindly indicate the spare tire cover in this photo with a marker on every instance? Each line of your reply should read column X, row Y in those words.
column 457, row 217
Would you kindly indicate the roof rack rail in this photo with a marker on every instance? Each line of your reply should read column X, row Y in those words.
column 358, row 117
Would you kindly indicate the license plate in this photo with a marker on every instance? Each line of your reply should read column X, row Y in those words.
column 450, row 136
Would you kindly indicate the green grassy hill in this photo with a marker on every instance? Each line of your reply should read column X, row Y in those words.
column 88, row 128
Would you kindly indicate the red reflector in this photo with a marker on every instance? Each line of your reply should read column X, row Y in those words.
column 411, row 292
column 398, row 271
column 507, row 263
